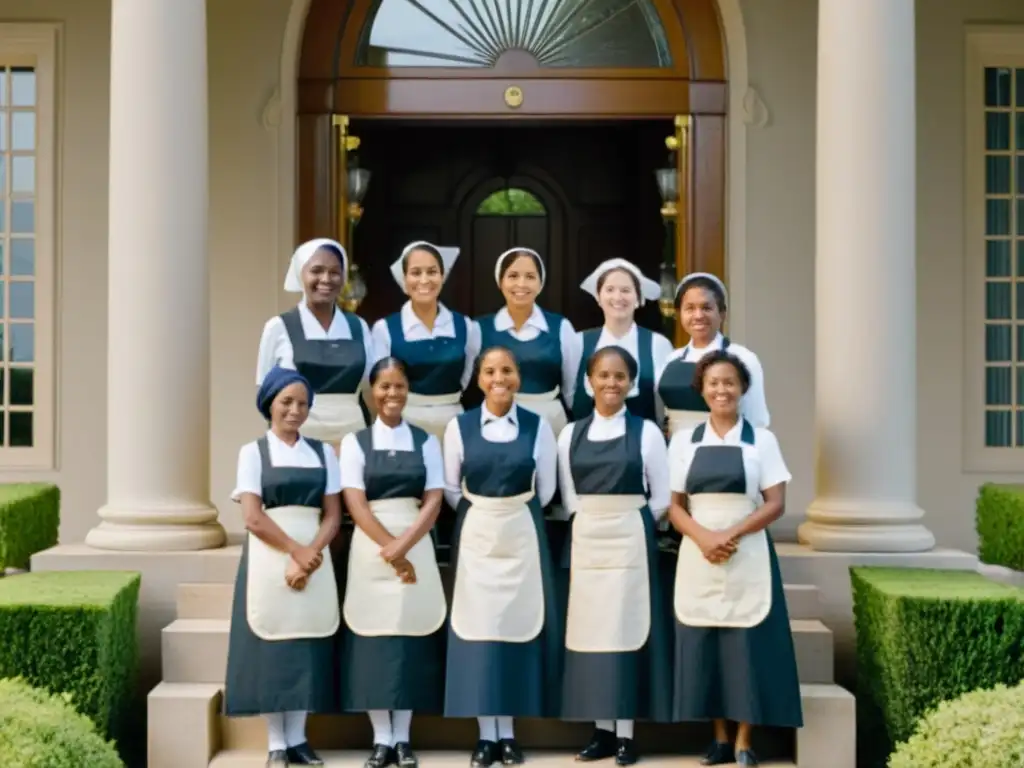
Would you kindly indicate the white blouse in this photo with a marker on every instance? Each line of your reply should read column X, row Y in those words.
column 501, row 429
column 353, row 460
column 661, row 348
column 762, row 461
column 413, row 329
column 568, row 339
column 276, row 347
column 250, row 468
column 652, row 449
column 753, row 405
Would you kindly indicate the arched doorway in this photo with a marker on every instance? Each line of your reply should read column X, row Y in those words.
column 593, row 61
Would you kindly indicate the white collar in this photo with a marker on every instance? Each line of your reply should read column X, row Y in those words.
column 307, row 316
column 606, row 331
column 503, row 320
column 486, row 416
column 271, row 437
column 410, row 321
column 715, row 343
column 384, row 429
column 732, row 437
column 620, row 414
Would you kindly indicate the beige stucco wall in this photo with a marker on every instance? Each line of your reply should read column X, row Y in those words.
column 777, row 316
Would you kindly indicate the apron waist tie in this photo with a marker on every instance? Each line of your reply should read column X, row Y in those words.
column 610, row 503
column 497, row 503
column 718, row 511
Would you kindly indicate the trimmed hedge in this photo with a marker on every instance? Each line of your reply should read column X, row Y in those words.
column 981, row 729
column 924, row 636
column 29, row 521
column 999, row 520
column 39, row 730
column 73, row 632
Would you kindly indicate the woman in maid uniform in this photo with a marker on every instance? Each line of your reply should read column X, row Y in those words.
column 620, row 288
column 545, row 345
column 332, row 349
column 392, row 478
column 701, row 305
column 438, row 346
column 734, row 658
column 505, row 636
column 285, row 611
column 613, row 468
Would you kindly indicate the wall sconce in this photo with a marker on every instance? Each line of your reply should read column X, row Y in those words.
column 355, row 287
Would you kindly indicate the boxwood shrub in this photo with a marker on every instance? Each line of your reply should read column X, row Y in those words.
column 29, row 521
column 74, row 633
column 40, row 730
column 924, row 636
column 999, row 519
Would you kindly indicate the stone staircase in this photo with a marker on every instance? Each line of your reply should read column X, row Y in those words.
column 187, row 730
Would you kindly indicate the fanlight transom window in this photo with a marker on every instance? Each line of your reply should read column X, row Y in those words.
column 477, row 33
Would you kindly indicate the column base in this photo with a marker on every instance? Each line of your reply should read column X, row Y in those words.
column 864, row 525
column 172, row 528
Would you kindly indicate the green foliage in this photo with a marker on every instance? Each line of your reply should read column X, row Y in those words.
column 39, row 730
column 511, row 202
column 29, row 521
column 74, row 633
column 981, row 729
column 999, row 519
column 924, row 636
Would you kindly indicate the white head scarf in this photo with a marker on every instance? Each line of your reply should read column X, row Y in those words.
column 702, row 275
column 293, row 278
column 449, row 255
column 649, row 290
column 518, row 250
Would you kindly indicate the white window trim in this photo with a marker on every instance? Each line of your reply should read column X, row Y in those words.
column 38, row 42
column 986, row 46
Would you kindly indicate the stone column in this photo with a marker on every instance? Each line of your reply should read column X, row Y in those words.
column 865, row 308
column 158, row 392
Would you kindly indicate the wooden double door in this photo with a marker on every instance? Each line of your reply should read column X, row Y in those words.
column 578, row 193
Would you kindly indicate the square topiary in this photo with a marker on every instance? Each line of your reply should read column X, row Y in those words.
column 999, row 520
column 74, row 632
column 925, row 636
column 29, row 521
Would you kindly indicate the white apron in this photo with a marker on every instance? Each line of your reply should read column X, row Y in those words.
column 546, row 405
column 377, row 603
column 274, row 610
column 737, row 593
column 499, row 588
column 680, row 420
column 431, row 413
column 609, row 586
column 332, row 417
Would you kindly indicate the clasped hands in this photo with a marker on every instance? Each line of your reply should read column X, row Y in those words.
column 717, row 546
column 394, row 555
column 304, row 561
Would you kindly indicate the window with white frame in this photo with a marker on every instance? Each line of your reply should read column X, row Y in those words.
column 27, row 233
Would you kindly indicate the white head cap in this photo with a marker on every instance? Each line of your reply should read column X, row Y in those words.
column 518, row 250
column 293, row 278
column 705, row 276
column 649, row 290
column 448, row 257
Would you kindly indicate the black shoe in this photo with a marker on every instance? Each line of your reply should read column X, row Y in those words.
column 601, row 746
column 381, row 757
column 626, row 752
column 746, row 757
column 303, row 754
column 404, row 755
column 277, row 758
column 485, row 754
column 720, row 753
column 511, row 754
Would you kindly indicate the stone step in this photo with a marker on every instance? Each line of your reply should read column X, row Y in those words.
column 213, row 601
column 184, row 724
column 196, row 650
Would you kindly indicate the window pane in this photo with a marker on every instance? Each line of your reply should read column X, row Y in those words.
column 23, row 220
column 998, row 429
column 997, row 217
column 22, row 392
column 997, row 87
column 998, row 385
column 998, row 301
column 23, row 296
column 23, row 87
column 586, row 33
column 511, row 202
column 997, row 175
column 23, row 342
column 23, row 256
column 21, row 429
column 997, row 257
column 997, row 130
column 997, row 343
column 23, row 174
column 23, row 131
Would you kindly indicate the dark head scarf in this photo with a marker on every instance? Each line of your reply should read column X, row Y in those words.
column 277, row 379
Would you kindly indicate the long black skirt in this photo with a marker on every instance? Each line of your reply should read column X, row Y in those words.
column 634, row 685
column 743, row 675
column 267, row 676
column 392, row 672
column 508, row 679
